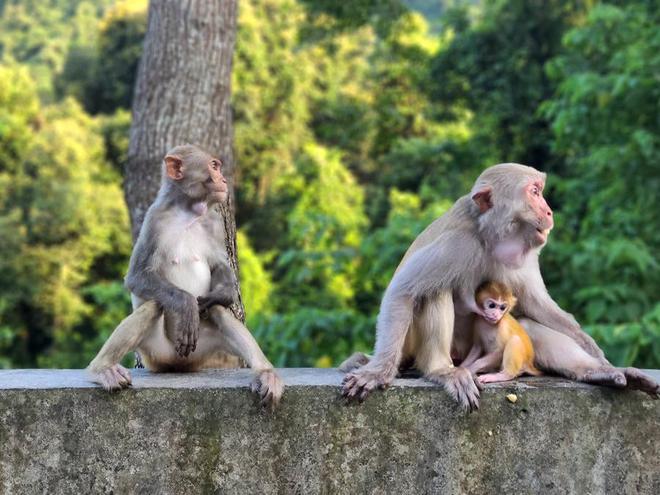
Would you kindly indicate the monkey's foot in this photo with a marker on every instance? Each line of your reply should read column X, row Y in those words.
column 605, row 375
column 269, row 386
column 460, row 383
column 359, row 383
column 357, row 360
column 116, row 377
column 637, row 380
column 495, row 377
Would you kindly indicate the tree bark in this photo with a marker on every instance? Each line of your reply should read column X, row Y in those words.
column 182, row 95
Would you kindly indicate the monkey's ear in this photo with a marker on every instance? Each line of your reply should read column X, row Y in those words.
column 174, row 167
column 483, row 199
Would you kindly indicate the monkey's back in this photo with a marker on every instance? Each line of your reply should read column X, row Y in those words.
column 456, row 217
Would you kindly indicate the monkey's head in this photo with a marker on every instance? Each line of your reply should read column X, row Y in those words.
column 196, row 173
column 510, row 202
column 496, row 300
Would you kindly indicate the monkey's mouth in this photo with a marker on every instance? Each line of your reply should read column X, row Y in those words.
column 542, row 234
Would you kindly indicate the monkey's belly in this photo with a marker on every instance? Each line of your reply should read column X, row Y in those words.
column 192, row 276
column 158, row 354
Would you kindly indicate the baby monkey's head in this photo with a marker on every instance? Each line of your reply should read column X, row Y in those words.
column 495, row 299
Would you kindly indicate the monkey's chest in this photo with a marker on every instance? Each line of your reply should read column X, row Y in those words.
column 488, row 335
column 191, row 276
column 186, row 260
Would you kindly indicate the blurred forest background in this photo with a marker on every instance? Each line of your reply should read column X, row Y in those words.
column 356, row 124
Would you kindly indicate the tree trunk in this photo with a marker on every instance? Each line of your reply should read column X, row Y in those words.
column 182, row 95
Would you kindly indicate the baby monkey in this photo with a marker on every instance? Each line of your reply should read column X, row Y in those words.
column 499, row 341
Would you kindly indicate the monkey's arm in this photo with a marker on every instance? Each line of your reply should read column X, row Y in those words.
column 473, row 355
column 535, row 303
column 468, row 301
column 489, row 362
column 145, row 280
column 222, row 292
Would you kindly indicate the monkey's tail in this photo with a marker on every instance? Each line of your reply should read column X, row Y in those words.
column 357, row 360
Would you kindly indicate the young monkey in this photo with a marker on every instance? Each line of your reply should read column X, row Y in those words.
column 499, row 341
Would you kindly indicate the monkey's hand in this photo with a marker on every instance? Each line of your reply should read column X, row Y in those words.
column 269, row 386
column 461, row 384
column 360, row 382
column 115, row 377
column 186, row 329
column 637, row 380
column 222, row 295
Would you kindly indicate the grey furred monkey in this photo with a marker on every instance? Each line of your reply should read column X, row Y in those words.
column 495, row 232
column 179, row 270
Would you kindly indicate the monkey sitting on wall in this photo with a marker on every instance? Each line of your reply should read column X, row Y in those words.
column 179, row 269
column 496, row 232
column 499, row 341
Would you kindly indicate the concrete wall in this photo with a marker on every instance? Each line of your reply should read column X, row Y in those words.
column 204, row 433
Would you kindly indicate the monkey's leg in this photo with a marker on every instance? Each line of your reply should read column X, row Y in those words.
column 512, row 362
column 435, row 326
column 357, row 360
column 393, row 323
column 500, row 376
column 561, row 354
column 234, row 337
column 488, row 362
column 513, row 358
column 473, row 355
column 105, row 368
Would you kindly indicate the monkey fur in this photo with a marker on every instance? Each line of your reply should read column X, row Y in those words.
column 179, row 270
column 499, row 341
column 495, row 232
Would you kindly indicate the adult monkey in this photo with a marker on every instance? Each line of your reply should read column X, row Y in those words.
column 494, row 233
column 179, row 270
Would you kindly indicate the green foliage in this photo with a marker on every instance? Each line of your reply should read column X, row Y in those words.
column 115, row 130
column 256, row 283
column 313, row 337
column 39, row 33
column 270, row 113
column 402, row 69
column 61, row 214
column 606, row 127
column 328, row 17
column 356, row 124
column 494, row 66
column 634, row 342
column 18, row 115
column 75, row 347
column 101, row 73
column 324, row 233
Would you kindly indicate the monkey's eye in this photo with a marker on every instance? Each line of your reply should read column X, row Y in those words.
column 536, row 191
column 492, row 305
column 215, row 165
column 503, row 307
